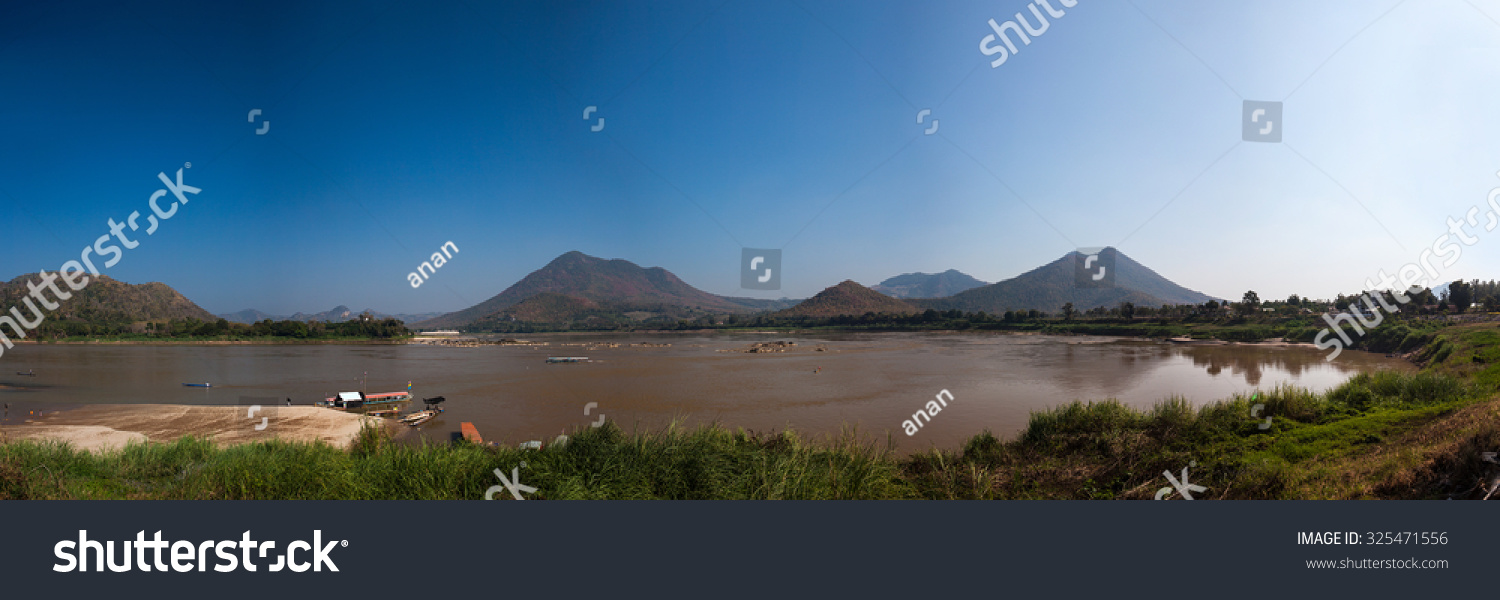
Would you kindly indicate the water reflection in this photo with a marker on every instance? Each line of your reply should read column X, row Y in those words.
column 1251, row 361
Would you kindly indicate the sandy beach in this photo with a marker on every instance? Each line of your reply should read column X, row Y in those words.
column 109, row 427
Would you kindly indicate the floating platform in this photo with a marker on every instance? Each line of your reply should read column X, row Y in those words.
column 470, row 432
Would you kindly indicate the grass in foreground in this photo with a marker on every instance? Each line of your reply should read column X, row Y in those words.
column 1381, row 435
column 602, row 463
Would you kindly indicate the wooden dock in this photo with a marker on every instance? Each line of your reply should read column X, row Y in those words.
column 470, row 432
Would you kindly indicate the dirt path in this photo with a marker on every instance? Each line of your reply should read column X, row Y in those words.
column 107, row 427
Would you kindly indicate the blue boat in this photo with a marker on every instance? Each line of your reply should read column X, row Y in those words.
column 197, row 385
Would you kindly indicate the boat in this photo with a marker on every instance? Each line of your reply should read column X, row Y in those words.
column 31, row 373
column 420, row 417
column 432, row 402
column 204, row 385
column 567, row 359
column 362, row 402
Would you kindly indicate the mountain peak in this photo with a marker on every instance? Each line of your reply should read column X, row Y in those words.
column 614, row 283
column 573, row 256
column 847, row 298
column 1049, row 286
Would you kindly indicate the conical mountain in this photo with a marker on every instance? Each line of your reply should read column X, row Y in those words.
column 1048, row 287
column 847, row 298
column 614, row 283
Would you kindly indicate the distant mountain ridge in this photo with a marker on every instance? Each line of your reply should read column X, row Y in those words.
column 928, row 285
column 338, row 314
column 1048, row 287
column 847, row 298
column 249, row 316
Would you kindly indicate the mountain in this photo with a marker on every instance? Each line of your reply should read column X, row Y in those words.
column 338, row 314
column 551, row 308
column 847, row 298
column 924, row 285
column 1048, row 287
column 249, row 316
column 618, row 284
column 761, row 305
column 105, row 301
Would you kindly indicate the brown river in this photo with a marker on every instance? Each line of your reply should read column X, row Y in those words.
column 872, row 381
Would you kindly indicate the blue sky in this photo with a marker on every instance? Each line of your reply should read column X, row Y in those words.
column 396, row 127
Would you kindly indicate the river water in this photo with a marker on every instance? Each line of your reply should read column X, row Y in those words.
column 511, row 394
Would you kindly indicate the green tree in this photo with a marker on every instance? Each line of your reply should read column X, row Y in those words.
column 1250, row 302
column 1462, row 295
column 1069, row 311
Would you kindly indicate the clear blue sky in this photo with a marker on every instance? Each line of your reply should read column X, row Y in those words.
column 396, row 127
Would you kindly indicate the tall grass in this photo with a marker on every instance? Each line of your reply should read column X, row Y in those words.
column 604, row 463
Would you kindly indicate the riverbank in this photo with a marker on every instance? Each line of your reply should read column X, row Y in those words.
column 105, row 428
column 174, row 342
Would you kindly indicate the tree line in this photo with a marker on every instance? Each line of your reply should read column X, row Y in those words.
column 364, row 327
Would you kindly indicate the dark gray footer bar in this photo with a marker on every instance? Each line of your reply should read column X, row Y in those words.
column 758, row 549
